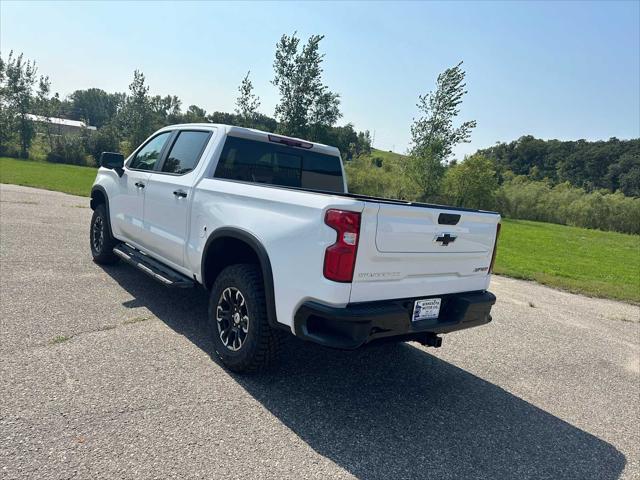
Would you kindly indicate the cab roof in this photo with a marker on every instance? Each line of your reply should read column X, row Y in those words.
column 255, row 134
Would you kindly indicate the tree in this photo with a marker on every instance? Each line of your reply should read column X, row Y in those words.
column 307, row 107
column 247, row 102
column 18, row 80
column 6, row 114
column 261, row 121
column 95, row 106
column 433, row 134
column 363, row 143
column 166, row 110
column 195, row 114
column 472, row 183
column 426, row 172
column 48, row 107
column 324, row 113
column 137, row 113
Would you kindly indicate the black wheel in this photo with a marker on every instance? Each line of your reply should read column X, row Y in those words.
column 100, row 238
column 242, row 337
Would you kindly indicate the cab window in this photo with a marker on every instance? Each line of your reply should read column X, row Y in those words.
column 185, row 152
column 148, row 155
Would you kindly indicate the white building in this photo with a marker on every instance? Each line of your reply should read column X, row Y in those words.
column 62, row 124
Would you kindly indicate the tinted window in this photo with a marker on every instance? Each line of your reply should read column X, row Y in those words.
column 185, row 152
column 263, row 162
column 148, row 155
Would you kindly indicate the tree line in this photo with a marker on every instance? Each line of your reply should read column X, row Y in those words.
column 479, row 183
column 588, row 184
column 612, row 164
column 307, row 108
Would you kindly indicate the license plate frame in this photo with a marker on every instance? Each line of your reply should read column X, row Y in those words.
column 426, row 309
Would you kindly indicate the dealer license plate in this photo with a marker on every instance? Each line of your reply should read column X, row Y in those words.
column 426, row 309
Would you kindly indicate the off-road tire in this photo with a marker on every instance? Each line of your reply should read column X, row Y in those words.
column 102, row 250
column 259, row 348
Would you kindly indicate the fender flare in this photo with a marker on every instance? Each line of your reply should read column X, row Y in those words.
column 101, row 189
column 263, row 258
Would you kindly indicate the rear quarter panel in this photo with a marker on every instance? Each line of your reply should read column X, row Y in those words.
column 288, row 223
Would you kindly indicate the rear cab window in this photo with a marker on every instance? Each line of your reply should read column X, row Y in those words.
column 276, row 164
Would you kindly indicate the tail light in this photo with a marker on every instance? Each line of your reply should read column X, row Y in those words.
column 340, row 258
column 495, row 248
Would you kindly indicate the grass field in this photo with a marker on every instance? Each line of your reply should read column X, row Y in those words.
column 50, row 176
column 603, row 264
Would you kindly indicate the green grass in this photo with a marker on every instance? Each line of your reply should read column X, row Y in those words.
column 50, row 176
column 602, row 264
column 386, row 156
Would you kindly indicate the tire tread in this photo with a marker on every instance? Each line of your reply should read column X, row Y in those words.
column 106, row 257
column 267, row 343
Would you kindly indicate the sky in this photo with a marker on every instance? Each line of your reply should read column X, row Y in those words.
column 549, row 69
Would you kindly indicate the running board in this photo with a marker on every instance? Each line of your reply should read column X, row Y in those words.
column 163, row 274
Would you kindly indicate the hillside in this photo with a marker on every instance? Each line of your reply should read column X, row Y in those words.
column 612, row 164
column 385, row 155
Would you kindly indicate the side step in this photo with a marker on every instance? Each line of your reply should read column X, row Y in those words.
column 165, row 275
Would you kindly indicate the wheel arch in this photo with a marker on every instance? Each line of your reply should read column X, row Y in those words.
column 99, row 197
column 228, row 246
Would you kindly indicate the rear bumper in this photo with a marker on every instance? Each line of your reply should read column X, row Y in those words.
column 359, row 323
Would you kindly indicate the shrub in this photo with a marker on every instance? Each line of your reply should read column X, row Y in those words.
column 471, row 184
column 106, row 139
column 70, row 149
column 379, row 178
column 9, row 150
column 519, row 197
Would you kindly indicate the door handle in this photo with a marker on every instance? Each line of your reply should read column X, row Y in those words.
column 139, row 184
column 180, row 193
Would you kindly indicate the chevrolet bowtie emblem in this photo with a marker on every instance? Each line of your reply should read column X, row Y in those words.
column 444, row 239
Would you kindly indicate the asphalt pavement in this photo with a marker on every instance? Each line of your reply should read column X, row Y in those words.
column 107, row 374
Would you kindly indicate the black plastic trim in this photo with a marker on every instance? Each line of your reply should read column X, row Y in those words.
column 448, row 218
column 265, row 264
column 359, row 323
column 100, row 188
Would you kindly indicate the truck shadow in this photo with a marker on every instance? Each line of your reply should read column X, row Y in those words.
column 394, row 411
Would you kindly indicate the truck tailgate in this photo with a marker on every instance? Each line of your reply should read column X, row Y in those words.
column 410, row 251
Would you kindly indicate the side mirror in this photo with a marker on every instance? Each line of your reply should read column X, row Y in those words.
column 112, row 160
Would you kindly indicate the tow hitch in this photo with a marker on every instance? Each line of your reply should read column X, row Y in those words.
column 431, row 340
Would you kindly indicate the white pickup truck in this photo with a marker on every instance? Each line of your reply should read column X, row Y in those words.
column 265, row 224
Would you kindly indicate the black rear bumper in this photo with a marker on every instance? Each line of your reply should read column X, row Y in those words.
column 359, row 323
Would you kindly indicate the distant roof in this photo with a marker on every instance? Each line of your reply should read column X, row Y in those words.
column 60, row 121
